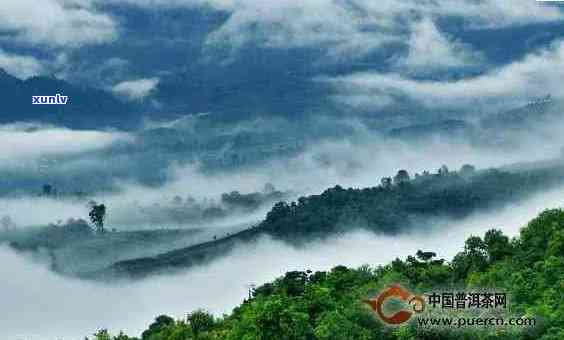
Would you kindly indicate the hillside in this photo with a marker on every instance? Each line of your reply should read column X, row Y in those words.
column 329, row 305
column 388, row 208
column 73, row 248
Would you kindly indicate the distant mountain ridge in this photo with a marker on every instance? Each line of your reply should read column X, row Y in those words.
column 87, row 108
column 534, row 114
column 389, row 209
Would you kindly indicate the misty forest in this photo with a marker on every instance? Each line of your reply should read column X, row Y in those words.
column 257, row 170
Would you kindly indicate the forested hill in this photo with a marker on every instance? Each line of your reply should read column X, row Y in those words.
column 391, row 207
column 328, row 305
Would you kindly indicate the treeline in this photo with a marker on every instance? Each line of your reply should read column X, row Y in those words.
column 398, row 201
column 191, row 211
column 392, row 207
column 175, row 211
column 329, row 305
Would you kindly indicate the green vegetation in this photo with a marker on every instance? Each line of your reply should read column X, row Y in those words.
column 73, row 246
column 97, row 216
column 79, row 246
column 327, row 305
column 391, row 208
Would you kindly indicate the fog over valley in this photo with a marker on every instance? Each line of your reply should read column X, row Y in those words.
column 225, row 169
column 63, row 308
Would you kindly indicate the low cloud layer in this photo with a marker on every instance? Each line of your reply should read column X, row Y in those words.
column 40, row 305
column 23, row 142
column 359, row 161
column 536, row 75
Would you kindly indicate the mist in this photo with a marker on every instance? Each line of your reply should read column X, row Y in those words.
column 359, row 160
column 41, row 305
column 24, row 142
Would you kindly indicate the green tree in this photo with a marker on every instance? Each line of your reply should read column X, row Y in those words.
column 425, row 256
column 335, row 325
column 497, row 245
column 386, row 182
column 47, row 189
column 102, row 334
column 160, row 323
column 473, row 258
column 467, row 170
column 277, row 317
column 97, row 216
column 401, row 177
column 200, row 322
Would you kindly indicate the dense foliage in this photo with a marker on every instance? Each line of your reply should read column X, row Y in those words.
column 327, row 305
column 391, row 207
column 398, row 201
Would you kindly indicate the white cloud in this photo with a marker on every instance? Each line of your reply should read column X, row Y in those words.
column 288, row 23
column 25, row 142
column 56, row 23
column 20, row 66
column 349, row 28
column 356, row 27
column 430, row 50
column 356, row 162
column 343, row 28
column 136, row 89
column 536, row 75
column 494, row 13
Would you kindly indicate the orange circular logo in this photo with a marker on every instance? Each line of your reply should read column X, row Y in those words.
column 398, row 292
